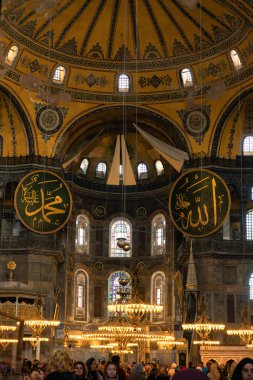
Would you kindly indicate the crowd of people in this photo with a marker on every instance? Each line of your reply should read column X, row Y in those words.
column 62, row 367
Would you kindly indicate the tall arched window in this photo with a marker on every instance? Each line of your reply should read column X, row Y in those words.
column 82, row 234
column 159, row 167
column 123, row 83
column 251, row 287
column 11, row 56
column 235, row 59
column 84, row 165
column 59, row 74
column 113, row 285
column 249, row 225
column 247, row 147
column 81, row 295
column 142, row 171
column 186, row 77
column 120, row 228
column 158, row 235
column 101, row 170
column 158, row 294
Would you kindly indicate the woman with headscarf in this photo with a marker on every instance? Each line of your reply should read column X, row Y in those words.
column 60, row 367
column 243, row 370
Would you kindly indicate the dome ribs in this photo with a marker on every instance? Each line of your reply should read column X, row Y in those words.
column 196, row 23
column 135, row 28
column 92, row 26
column 157, row 27
column 111, row 36
column 52, row 17
column 172, row 19
column 212, row 15
column 72, row 21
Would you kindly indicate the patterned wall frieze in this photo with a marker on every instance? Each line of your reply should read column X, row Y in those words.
column 167, row 62
column 49, row 119
column 33, row 65
column 155, row 81
column 214, row 70
column 90, row 80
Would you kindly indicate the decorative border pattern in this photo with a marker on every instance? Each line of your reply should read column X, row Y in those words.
column 168, row 62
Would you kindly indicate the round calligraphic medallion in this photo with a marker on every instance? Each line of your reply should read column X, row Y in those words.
column 199, row 202
column 49, row 119
column 43, row 202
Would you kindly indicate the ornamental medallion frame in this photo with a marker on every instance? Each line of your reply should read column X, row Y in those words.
column 211, row 202
column 29, row 193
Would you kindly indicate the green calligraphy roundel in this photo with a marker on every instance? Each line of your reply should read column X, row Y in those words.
column 43, row 202
column 199, row 202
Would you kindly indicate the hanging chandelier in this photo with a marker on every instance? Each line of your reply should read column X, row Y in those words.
column 34, row 340
column 245, row 331
column 6, row 341
column 39, row 325
column 203, row 326
column 207, row 342
column 5, row 328
column 132, row 306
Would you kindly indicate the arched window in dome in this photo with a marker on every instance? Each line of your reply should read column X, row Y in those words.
column 249, row 225
column 158, row 294
column 251, row 287
column 158, row 237
column 247, row 147
column 11, row 56
column 142, row 171
column 120, row 228
column 84, row 165
column 236, row 59
column 100, row 170
column 114, row 286
column 82, row 234
column 186, row 76
column 81, row 292
column 123, row 83
column 59, row 74
column 159, row 167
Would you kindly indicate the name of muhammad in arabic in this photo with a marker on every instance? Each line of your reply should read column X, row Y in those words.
column 44, row 203
column 197, row 217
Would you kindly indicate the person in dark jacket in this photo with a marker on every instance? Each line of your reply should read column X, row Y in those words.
column 121, row 373
column 93, row 373
column 243, row 370
column 60, row 367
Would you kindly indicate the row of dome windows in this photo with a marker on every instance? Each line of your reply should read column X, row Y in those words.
column 123, row 80
column 142, row 169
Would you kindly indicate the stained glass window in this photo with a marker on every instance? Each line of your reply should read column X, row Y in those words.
column 158, row 235
column 82, row 234
column 113, row 285
column 120, row 228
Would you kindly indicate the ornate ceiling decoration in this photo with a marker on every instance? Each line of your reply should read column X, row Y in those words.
column 99, row 31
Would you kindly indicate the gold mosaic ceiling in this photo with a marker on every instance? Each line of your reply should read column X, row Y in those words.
column 116, row 30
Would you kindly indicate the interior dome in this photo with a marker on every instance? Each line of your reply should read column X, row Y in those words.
column 132, row 30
